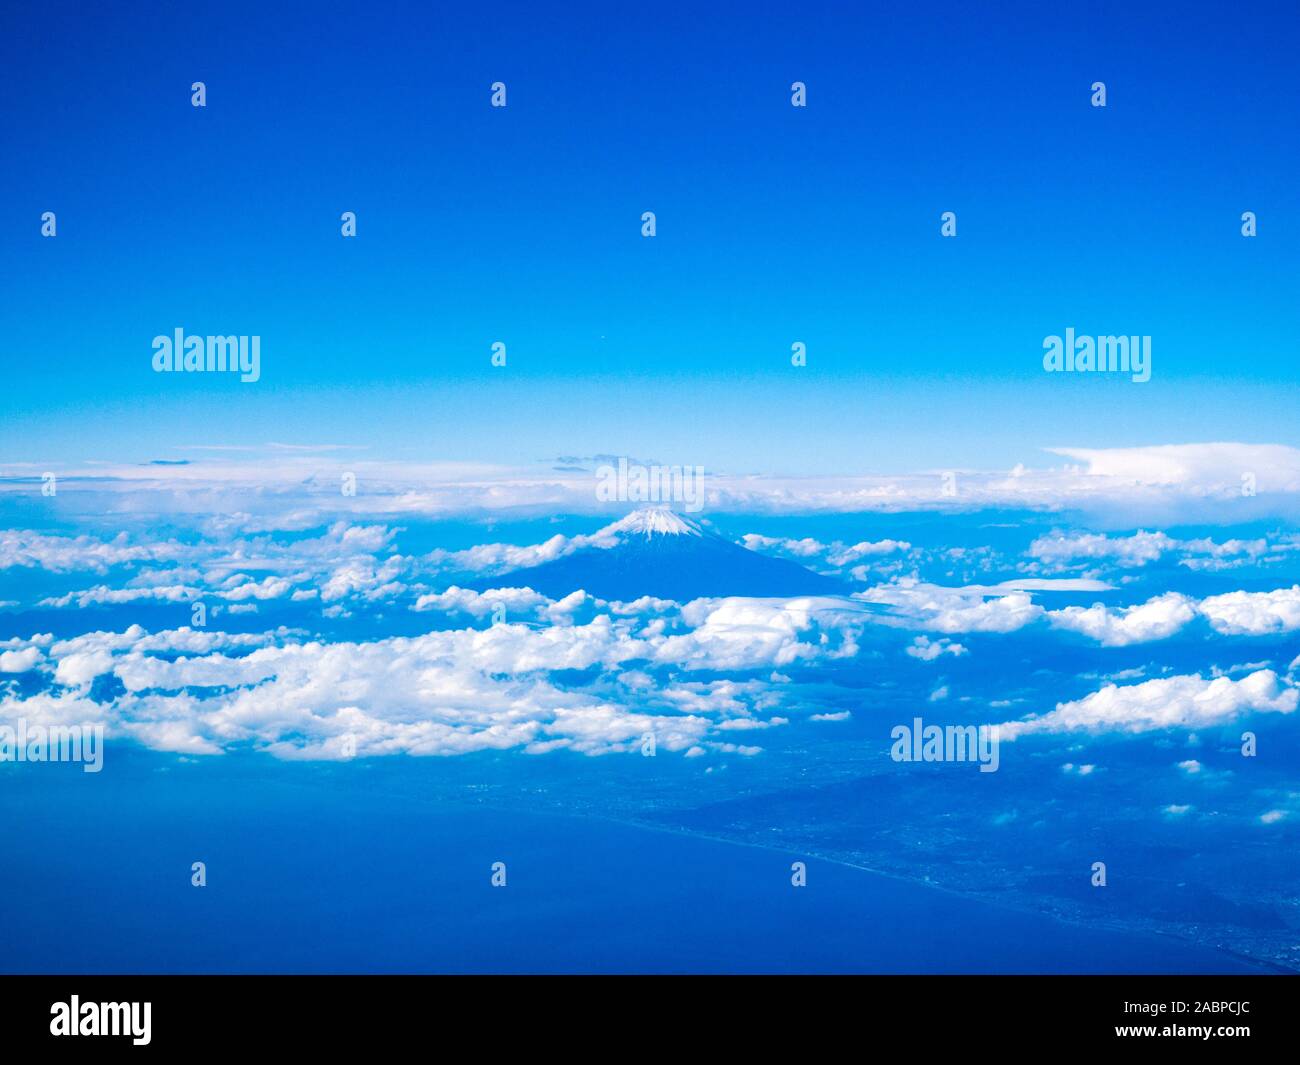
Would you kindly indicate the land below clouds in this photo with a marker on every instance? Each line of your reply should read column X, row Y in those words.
column 328, row 870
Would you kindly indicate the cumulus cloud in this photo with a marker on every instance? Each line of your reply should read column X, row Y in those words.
column 1174, row 702
column 748, row 633
column 1155, row 619
column 1006, row 608
column 64, row 554
column 236, row 589
column 928, row 650
column 454, row 690
column 443, row 693
column 1254, row 613
column 513, row 601
column 492, row 559
column 648, row 663
column 19, row 661
column 102, row 595
column 338, row 564
column 1061, row 550
column 1136, row 550
column 953, row 610
column 833, row 556
column 1231, row 614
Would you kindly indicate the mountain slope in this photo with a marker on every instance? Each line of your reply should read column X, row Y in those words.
column 656, row 552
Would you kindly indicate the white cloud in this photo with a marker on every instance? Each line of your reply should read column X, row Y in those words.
column 64, row 554
column 490, row 559
column 1136, row 550
column 19, row 661
column 740, row 633
column 451, row 691
column 78, row 670
column 102, row 595
column 835, row 555
column 952, row 610
column 1155, row 619
column 267, row 588
column 1274, row 466
column 442, row 693
column 1060, row 550
column 340, row 561
column 928, row 650
column 1254, row 613
column 1232, row 614
column 1173, row 702
column 281, row 488
column 515, row 602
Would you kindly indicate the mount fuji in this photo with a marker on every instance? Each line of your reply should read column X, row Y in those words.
column 657, row 552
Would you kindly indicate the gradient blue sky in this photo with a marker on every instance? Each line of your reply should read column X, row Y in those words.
column 522, row 225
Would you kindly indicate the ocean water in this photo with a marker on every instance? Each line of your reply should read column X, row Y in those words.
column 304, row 876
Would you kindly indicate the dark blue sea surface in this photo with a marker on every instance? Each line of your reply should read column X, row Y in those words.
column 305, row 877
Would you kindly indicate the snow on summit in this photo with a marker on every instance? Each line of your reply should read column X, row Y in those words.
column 650, row 521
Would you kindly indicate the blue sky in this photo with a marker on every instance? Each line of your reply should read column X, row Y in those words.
column 522, row 225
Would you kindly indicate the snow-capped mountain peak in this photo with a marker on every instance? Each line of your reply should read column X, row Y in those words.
column 655, row 552
column 652, row 521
